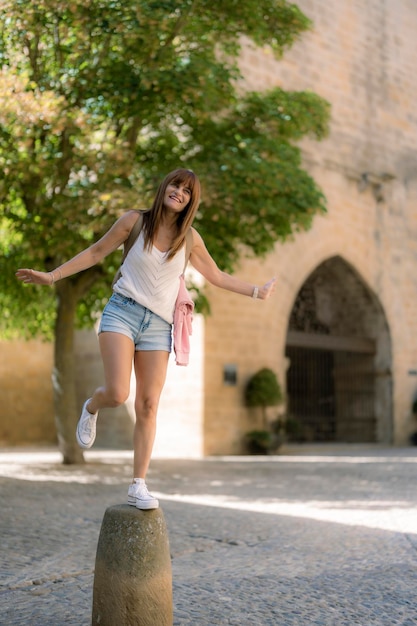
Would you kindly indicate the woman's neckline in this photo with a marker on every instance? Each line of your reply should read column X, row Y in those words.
column 158, row 250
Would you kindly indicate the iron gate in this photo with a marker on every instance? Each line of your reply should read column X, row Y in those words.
column 331, row 395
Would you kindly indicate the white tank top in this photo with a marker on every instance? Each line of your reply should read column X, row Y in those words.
column 149, row 279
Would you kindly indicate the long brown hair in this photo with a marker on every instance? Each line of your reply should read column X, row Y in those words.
column 152, row 218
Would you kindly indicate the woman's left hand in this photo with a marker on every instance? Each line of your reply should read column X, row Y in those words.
column 35, row 277
column 268, row 289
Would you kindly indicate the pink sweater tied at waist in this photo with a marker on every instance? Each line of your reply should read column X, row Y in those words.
column 183, row 317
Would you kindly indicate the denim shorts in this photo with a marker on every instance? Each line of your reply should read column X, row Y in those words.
column 147, row 330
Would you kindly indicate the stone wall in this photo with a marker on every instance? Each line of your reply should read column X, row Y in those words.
column 26, row 409
column 360, row 56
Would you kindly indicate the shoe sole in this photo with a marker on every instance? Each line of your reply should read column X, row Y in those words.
column 144, row 506
column 84, row 446
column 81, row 443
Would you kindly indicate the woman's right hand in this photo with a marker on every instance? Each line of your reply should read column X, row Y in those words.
column 37, row 278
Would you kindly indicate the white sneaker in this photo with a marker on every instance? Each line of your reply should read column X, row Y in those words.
column 86, row 427
column 139, row 496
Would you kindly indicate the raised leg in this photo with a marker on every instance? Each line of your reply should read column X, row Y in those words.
column 117, row 353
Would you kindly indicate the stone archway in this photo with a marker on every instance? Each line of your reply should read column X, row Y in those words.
column 339, row 384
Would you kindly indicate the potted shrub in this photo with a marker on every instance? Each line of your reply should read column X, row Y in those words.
column 262, row 391
column 258, row 441
column 413, row 437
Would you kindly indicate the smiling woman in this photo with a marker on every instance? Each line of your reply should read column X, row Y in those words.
column 136, row 325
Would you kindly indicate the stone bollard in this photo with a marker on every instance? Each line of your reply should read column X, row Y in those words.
column 133, row 576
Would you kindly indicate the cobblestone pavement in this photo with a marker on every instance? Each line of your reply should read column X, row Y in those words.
column 315, row 536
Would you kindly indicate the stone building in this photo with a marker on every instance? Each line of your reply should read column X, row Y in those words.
column 341, row 329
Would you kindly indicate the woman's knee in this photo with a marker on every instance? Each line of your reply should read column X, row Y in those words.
column 116, row 396
column 146, row 408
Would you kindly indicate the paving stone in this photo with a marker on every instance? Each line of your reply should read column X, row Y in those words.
column 315, row 536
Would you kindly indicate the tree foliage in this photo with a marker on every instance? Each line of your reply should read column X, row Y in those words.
column 263, row 389
column 100, row 98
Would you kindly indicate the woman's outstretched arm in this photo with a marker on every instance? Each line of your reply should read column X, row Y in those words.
column 114, row 238
column 205, row 264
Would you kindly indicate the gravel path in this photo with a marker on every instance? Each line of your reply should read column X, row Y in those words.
column 316, row 536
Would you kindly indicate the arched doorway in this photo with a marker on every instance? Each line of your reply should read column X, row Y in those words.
column 338, row 346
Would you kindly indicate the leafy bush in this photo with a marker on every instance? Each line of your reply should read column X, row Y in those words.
column 263, row 389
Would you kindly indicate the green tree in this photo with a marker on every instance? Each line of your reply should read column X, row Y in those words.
column 263, row 390
column 98, row 100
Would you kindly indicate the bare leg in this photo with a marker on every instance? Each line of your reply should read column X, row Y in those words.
column 150, row 371
column 117, row 352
